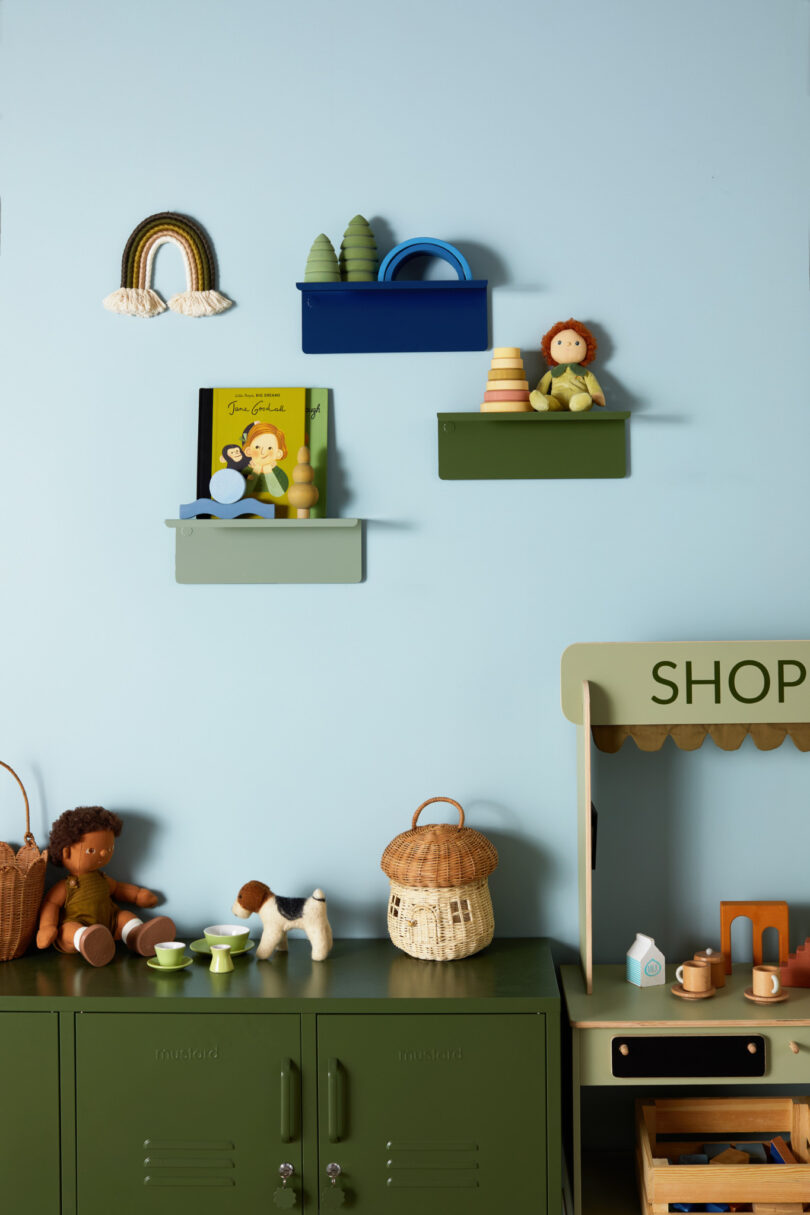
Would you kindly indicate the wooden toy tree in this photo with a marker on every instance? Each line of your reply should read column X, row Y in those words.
column 322, row 263
column 358, row 252
column 302, row 494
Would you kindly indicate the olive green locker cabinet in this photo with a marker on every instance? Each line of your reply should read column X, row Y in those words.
column 178, row 1113
column 435, row 1114
column 29, row 1113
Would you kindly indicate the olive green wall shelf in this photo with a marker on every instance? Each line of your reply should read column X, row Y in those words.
column 513, row 446
column 268, row 550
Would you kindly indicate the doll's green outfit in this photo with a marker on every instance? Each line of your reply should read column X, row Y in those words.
column 88, row 901
column 566, row 386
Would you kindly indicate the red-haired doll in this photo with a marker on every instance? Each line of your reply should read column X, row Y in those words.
column 568, row 347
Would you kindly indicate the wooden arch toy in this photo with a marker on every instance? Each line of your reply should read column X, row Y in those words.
column 136, row 297
column 762, row 915
column 423, row 246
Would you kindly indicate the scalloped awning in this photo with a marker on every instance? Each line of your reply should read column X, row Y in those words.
column 728, row 736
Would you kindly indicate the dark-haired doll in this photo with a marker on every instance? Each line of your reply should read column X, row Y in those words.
column 568, row 347
column 78, row 914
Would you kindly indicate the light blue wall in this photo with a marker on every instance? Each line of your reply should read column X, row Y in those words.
column 642, row 166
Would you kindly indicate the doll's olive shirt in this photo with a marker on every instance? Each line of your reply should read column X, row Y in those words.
column 564, row 381
column 88, row 901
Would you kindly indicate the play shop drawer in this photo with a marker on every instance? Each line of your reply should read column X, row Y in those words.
column 774, row 1054
column 608, row 1057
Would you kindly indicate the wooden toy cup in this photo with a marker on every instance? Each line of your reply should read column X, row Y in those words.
column 767, row 982
column 694, row 975
column 717, row 962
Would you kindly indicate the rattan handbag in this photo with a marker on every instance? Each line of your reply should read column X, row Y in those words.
column 439, row 907
column 22, row 882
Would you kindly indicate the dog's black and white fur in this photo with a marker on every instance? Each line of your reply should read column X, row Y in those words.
column 278, row 915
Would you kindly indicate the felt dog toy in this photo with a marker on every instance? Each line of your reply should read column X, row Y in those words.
column 78, row 914
column 567, row 347
column 278, row 915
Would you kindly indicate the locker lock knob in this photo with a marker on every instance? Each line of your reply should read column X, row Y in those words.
column 285, row 1198
column 333, row 1196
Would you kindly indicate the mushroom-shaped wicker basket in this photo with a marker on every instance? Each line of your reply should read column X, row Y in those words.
column 22, row 881
column 439, row 907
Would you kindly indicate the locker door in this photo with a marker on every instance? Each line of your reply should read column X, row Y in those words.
column 444, row 1115
column 185, row 1113
column 29, row 1113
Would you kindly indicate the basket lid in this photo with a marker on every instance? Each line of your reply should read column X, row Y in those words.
column 439, row 854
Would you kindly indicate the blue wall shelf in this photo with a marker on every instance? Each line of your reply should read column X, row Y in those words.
column 394, row 318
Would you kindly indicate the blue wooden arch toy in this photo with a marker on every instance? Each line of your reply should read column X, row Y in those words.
column 389, row 317
column 423, row 246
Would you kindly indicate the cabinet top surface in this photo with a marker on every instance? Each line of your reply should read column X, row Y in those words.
column 615, row 1003
column 359, row 975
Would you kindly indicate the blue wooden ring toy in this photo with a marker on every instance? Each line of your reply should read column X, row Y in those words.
column 420, row 246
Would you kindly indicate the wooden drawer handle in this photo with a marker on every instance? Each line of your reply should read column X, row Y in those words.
column 624, row 1049
column 794, row 1046
column 752, row 1048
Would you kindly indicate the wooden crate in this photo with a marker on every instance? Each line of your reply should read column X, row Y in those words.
column 692, row 1120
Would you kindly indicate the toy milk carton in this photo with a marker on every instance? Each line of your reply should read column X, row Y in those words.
column 645, row 963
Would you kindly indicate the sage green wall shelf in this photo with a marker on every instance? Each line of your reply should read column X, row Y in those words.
column 515, row 446
column 268, row 550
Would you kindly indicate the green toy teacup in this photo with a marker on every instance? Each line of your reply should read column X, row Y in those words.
column 227, row 934
column 170, row 953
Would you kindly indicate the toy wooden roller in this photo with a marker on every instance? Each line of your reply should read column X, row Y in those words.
column 302, row 494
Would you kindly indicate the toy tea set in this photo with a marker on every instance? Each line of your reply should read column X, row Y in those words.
column 700, row 977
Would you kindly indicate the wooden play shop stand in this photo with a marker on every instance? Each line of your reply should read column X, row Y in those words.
column 629, row 1041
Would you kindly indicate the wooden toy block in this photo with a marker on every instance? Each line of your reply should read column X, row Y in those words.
column 506, row 407
column 714, row 1149
column 776, row 1208
column 762, row 914
column 756, row 1152
column 506, row 385
column 507, row 394
column 796, row 969
column 730, row 1156
column 503, row 373
column 506, row 352
column 780, row 1152
column 507, row 363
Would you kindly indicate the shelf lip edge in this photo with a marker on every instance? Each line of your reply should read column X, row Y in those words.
column 268, row 524
column 478, row 416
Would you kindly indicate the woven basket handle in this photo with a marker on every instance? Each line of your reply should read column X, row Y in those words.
column 439, row 799
column 29, row 839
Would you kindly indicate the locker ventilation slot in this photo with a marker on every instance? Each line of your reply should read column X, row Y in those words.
column 431, row 1166
column 188, row 1163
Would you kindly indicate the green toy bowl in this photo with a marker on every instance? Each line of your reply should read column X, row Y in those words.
column 227, row 934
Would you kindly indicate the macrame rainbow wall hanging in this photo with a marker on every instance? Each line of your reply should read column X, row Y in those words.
column 135, row 296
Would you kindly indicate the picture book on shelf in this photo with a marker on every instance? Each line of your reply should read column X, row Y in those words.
column 258, row 432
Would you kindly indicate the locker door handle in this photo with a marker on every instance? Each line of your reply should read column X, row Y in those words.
column 334, row 1101
column 286, row 1077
